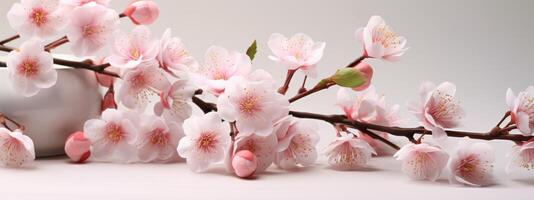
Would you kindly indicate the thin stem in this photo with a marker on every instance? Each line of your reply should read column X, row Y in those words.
column 4, row 119
column 503, row 118
column 56, row 43
column 9, row 39
column 357, row 61
column 289, row 76
column 302, row 88
column 380, row 138
column 320, row 86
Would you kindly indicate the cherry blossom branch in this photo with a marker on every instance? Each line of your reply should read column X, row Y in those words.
column 4, row 119
column 56, row 43
column 410, row 132
column 74, row 64
column 502, row 134
column 9, row 39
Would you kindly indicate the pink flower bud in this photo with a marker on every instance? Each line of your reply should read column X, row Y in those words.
column 77, row 147
column 367, row 71
column 244, row 163
column 142, row 12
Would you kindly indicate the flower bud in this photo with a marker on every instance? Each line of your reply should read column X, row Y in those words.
column 367, row 72
column 142, row 12
column 77, row 147
column 244, row 163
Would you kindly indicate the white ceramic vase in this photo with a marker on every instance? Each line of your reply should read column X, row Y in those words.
column 54, row 113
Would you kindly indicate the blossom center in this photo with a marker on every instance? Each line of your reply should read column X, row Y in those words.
column 89, row 30
column 114, row 133
column 445, row 109
column 38, row 16
column 159, row 137
column 249, row 104
column 135, row 53
column 385, row 36
column 28, row 68
column 206, row 142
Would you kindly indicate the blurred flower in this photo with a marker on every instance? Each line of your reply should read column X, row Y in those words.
column 380, row 41
column 298, row 52
column 112, row 136
column 358, row 105
column 422, row 161
column 131, row 50
column 142, row 12
column 16, row 149
column 219, row 66
column 472, row 163
column 90, row 28
column 141, row 82
column 174, row 104
column 522, row 109
column 157, row 139
column 437, row 108
column 297, row 145
column 348, row 153
column 31, row 68
column 174, row 55
column 78, row 147
column 37, row 18
column 253, row 104
column 206, row 141
column 521, row 157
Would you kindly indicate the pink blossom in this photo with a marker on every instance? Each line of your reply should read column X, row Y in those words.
column 437, row 108
column 358, row 105
column 140, row 83
column 367, row 72
column 472, row 163
column 16, row 149
column 91, row 28
column 521, row 157
column 264, row 148
column 422, row 161
column 77, row 147
column 142, row 12
column 157, row 139
column 380, row 41
column 252, row 103
column 219, row 66
column 522, row 109
column 297, row 52
column 175, row 101
column 244, row 163
column 206, row 141
column 131, row 50
column 112, row 136
column 348, row 153
column 297, row 144
column 83, row 2
column 37, row 18
column 31, row 68
column 174, row 55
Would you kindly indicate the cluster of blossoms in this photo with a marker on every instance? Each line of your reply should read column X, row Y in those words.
column 250, row 127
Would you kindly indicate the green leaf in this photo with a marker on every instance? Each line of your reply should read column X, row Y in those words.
column 349, row 77
column 252, row 50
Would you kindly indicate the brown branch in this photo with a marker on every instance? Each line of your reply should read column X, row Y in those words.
column 408, row 132
column 9, row 39
column 320, row 86
column 74, row 64
column 357, row 61
column 56, row 43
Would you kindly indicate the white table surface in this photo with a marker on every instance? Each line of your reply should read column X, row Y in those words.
column 56, row 178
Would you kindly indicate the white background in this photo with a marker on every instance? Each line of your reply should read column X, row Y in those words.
column 484, row 47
